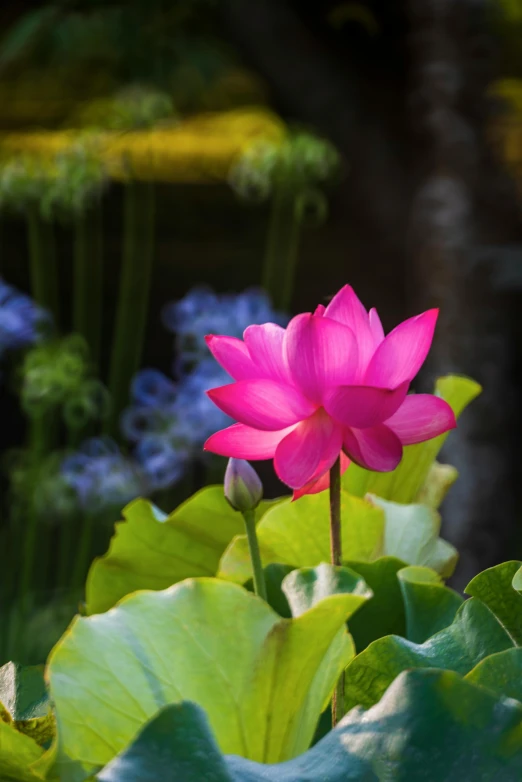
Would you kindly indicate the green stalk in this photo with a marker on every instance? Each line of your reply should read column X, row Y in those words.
column 37, row 446
column 281, row 254
column 66, row 543
column 255, row 556
column 336, row 557
column 88, row 278
column 43, row 263
column 133, row 298
column 83, row 551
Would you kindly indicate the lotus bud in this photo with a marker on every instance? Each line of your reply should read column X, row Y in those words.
column 243, row 489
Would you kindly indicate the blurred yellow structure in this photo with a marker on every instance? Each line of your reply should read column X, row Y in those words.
column 198, row 149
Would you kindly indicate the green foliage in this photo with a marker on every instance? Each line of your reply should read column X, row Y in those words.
column 473, row 635
column 205, row 681
column 430, row 725
column 262, row 680
column 17, row 754
column 60, row 186
column 497, row 588
column 429, row 605
column 23, row 696
column 153, row 551
column 133, row 108
column 501, row 673
column 175, row 745
column 384, row 613
column 297, row 533
column 411, row 533
column 175, row 674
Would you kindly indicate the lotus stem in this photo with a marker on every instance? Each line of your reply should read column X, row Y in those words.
column 88, row 278
column 44, row 269
column 133, row 297
column 336, row 556
column 335, row 513
column 281, row 254
column 255, row 556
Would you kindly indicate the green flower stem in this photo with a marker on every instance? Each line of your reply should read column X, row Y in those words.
column 336, row 557
column 335, row 513
column 281, row 254
column 37, row 445
column 88, row 278
column 133, row 299
column 255, row 556
column 83, row 551
column 44, row 269
column 66, row 543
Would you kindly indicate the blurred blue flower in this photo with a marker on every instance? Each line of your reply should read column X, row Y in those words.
column 203, row 312
column 168, row 421
column 102, row 476
column 22, row 322
column 201, row 417
column 162, row 462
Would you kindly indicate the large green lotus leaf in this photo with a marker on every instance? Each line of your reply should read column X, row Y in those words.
column 429, row 605
column 412, row 534
column 517, row 580
column 307, row 587
column 177, row 745
column 153, row 551
column 439, row 480
column 496, row 587
column 429, row 726
column 384, row 613
column 17, row 754
column 473, row 635
column 24, row 695
column 204, row 640
column 501, row 673
column 298, row 534
column 406, row 482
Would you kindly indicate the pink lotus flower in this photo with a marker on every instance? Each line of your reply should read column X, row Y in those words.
column 330, row 383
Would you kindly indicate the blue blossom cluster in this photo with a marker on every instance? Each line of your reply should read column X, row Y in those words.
column 169, row 421
column 102, row 476
column 22, row 322
column 203, row 312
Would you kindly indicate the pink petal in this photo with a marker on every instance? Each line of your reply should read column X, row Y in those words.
column 314, row 441
column 363, row 406
column 320, row 310
column 421, row 417
column 233, row 356
column 244, row 442
column 263, row 404
column 322, row 481
column 401, row 354
column 376, row 327
column 377, row 449
column 320, row 353
column 346, row 308
column 265, row 346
